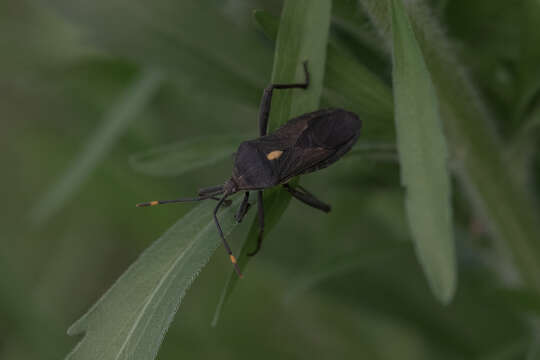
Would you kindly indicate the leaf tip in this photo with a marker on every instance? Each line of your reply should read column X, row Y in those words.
column 445, row 290
column 75, row 329
column 257, row 14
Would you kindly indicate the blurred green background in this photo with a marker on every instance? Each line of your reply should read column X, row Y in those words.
column 122, row 77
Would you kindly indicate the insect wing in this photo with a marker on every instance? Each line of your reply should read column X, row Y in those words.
column 307, row 143
column 327, row 136
column 297, row 161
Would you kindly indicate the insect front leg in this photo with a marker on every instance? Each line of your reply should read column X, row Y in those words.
column 260, row 215
column 226, row 203
column 266, row 101
column 212, row 192
column 243, row 209
column 307, row 198
column 220, row 231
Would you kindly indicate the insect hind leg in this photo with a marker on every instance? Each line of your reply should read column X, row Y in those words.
column 260, row 215
column 307, row 198
column 266, row 101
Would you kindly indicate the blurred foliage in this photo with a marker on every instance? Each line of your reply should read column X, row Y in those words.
column 343, row 285
column 423, row 157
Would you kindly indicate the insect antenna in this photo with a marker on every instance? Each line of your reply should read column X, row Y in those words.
column 160, row 202
column 204, row 194
column 209, row 193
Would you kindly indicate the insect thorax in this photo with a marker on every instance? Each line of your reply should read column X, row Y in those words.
column 252, row 169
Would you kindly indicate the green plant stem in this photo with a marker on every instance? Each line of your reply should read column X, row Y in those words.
column 476, row 147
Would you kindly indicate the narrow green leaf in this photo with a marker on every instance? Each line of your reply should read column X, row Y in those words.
column 303, row 34
column 533, row 352
column 353, row 86
column 339, row 267
column 131, row 319
column 521, row 150
column 268, row 23
column 374, row 152
column 521, row 299
column 423, row 157
column 113, row 126
column 181, row 157
column 350, row 84
column 194, row 56
column 528, row 71
column 192, row 154
column 508, row 351
column 275, row 203
column 495, row 192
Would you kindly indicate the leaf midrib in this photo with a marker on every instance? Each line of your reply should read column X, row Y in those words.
column 157, row 288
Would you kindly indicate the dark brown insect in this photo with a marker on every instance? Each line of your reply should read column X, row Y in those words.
column 304, row 144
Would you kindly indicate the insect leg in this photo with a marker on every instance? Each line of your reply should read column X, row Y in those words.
column 307, row 198
column 266, row 101
column 211, row 193
column 225, row 243
column 260, row 215
column 243, row 209
column 226, row 203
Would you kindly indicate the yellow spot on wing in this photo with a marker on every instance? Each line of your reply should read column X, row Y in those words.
column 233, row 259
column 274, row 155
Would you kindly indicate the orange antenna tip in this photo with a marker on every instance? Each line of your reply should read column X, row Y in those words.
column 150, row 203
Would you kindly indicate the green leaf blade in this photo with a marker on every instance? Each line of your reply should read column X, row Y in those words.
column 423, row 158
column 132, row 317
column 350, row 84
column 184, row 156
column 302, row 36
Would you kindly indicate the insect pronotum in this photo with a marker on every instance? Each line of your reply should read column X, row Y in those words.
column 304, row 144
